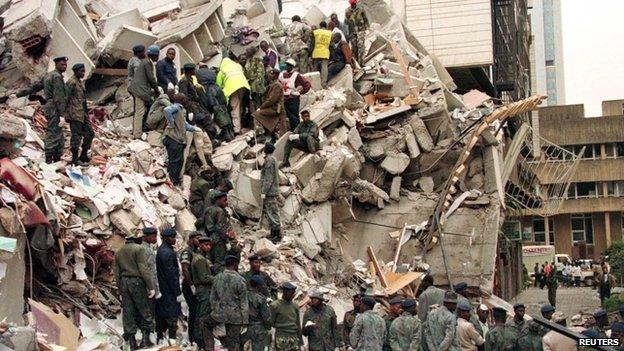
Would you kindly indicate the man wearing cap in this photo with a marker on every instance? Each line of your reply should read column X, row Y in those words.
column 461, row 289
column 259, row 315
column 554, row 341
column 339, row 55
column 392, row 313
column 547, row 311
column 431, row 295
column 77, row 116
column 501, row 336
column 201, row 273
column 166, row 72
column 439, row 329
column 467, row 335
column 369, row 329
column 294, row 85
column 270, row 114
column 136, row 287
column 188, row 289
column 319, row 324
column 187, row 87
column 602, row 322
column 531, row 339
column 481, row 324
column 358, row 24
column 168, row 306
column 231, row 78
column 298, row 34
column 200, row 186
column 143, row 88
column 305, row 138
column 286, row 321
column 518, row 321
column 218, row 227
column 255, row 268
column 55, row 108
column 319, row 46
column 404, row 334
column 230, row 304
column 269, row 179
column 149, row 244
column 349, row 319
column 135, row 61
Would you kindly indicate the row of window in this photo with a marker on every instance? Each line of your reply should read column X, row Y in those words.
column 581, row 224
column 584, row 190
column 592, row 151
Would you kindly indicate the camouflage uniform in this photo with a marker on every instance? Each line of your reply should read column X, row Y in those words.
column 150, row 255
column 259, row 322
column 199, row 190
column 217, row 222
column 552, row 284
column 388, row 319
column 368, row 333
column 531, row 340
column 256, row 76
column 270, row 283
column 269, row 178
column 297, row 37
column 439, row 330
column 405, row 333
column 55, row 108
column 285, row 319
column 202, row 280
column 358, row 24
column 79, row 124
column 134, row 280
column 347, row 325
column 186, row 257
column 308, row 139
column 230, row 306
column 520, row 327
column 323, row 335
column 501, row 338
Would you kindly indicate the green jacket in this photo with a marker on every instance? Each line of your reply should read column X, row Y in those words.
column 143, row 84
column 405, row 333
column 269, row 177
column 356, row 19
column 130, row 261
column 285, row 319
column 229, row 298
column 306, row 129
column 259, row 312
column 77, row 100
column 270, row 283
column 368, row 333
column 55, row 93
column 323, row 335
column 256, row 75
column 200, row 271
column 502, row 337
column 217, row 223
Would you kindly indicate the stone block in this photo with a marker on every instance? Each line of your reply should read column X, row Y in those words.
column 280, row 144
column 344, row 79
column 184, row 221
column 256, row 8
column 117, row 45
column 124, row 221
column 314, row 16
column 426, row 184
column 291, row 208
column 315, row 80
column 12, row 128
column 421, row 133
column 395, row 162
column 309, row 250
column 248, row 188
column 154, row 138
column 321, row 187
column 395, row 189
column 264, row 248
column 367, row 192
column 339, row 136
column 223, row 162
column 307, row 167
column 317, row 225
column 132, row 17
column 412, row 144
column 354, row 139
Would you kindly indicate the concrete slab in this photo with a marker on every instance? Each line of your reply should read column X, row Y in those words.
column 117, row 45
column 421, row 133
column 321, row 187
column 314, row 16
column 395, row 188
column 291, row 208
column 354, row 139
column 80, row 32
column 343, row 80
column 317, row 225
column 395, row 162
column 307, row 167
column 315, row 80
column 64, row 44
column 426, row 184
column 248, row 188
column 132, row 17
column 412, row 145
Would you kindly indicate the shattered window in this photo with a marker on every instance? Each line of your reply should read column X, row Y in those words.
column 582, row 228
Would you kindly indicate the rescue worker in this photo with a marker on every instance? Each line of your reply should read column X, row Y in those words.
column 136, row 287
column 405, row 331
column 547, row 312
column 256, row 76
column 501, row 336
column 78, row 117
column 518, row 321
column 468, row 337
column 156, row 115
column 319, row 46
column 218, row 227
column 143, row 88
column 531, row 339
column 269, row 179
column 188, row 88
column 339, row 56
column 294, row 85
column 166, row 72
column 54, row 109
column 201, row 274
column 286, row 321
column 431, row 295
column 216, row 103
column 230, row 302
column 255, row 268
column 439, row 330
column 392, row 313
column 149, row 242
column 369, row 329
column 551, row 285
column 320, row 324
column 305, row 138
column 349, row 319
column 259, row 315
column 188, row 289
column 168, row 307
column 231, row 78
column 272, row 57
column 135, row 61
column 358, row 24
column 200, row 186
column 298, row 34
column 270, row 114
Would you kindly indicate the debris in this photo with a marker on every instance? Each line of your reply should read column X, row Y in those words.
column 59, row 329
column 395, row 162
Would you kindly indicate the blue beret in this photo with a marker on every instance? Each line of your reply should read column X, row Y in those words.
column 396, row 300
column 369, row 301
column 189, row 67
column 518, row 305
column 269, row 148
column 547, row 308
column 600, row 313
column 288, row 286
column 229, row 258
column 195, row 233
column 460, row 286
column 407, row 303
column 137, row 49
column 257, row 280
column 150, row 231
column 464, row 306
column 218, row 194
column 77, row 66
column 499, row 311
column 168, row 232
column 153, row 49
column 617, row 327
column 590, row 333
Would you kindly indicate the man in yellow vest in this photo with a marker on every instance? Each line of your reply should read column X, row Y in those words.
column 231, row 78
column 321, row 39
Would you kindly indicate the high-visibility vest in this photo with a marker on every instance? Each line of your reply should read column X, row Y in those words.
column 322, row 39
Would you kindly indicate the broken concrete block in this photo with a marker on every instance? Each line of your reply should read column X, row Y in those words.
column 117, row 45
column 308, row 249
column 223, row 162
column 26, row 112
column 132, row 17
column 367, row 192
column 354, row 139
column 315, row 80
column 184, row 221
column 343, row 80
column 64, row 44
column 248, row 188
column 291, row 208
column 316, row 227
column 264, row 248
column 412, row 145
column 307, row 167
column 377, row 148
column 124, row 221
column 380, row 116
column 314, row 16
column 352, row 167
column 395, row 162
column 426, row 184
column 154, row 138
column 395, row 188
column 340, row 135
column 256, row 8
column 280, row 144
column 237, row 148
column 421, row 133
column 12, row 128
column 321, row 187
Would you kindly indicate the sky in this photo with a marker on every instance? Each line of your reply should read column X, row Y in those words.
column 593, row 53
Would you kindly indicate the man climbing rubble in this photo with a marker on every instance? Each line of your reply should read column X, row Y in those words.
column 349, row 319
column 156, row 116
column 78, row 118
column 55, row 109
column 256, row 76
column 188, row 88
column 143, row 88
column 270, row 114
column 217, row 226
column 168, row 307
column 305, row 138
column 231, row 78
column 269, row 178
column 138, row 52
column 319, row 46
column 297, row 36
column 201, row 272
column 358, row 24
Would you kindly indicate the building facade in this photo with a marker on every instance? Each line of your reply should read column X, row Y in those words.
column 546, row 50
column 591, row 216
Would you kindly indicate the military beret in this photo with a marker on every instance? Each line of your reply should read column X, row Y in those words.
column 316, row 295
column 464, row 306
column 230, row 258
column 228, row 184
column 600, row 313
column 153, row 50
column 407, row 303
column 269, row 148
column 189, row 67
column 194, row 233
column 150, row 231
column 169, row 232
column 288, row 286
column 257, row 279
column 450, row 296
column 498, row 311
column 590, row 333
column 396, row 300
column 304, row 111
column 518, row 305
column 547, row 308
column 60, row 58
column 254, row 257
column 205, row 239
column 617, row 327
column 137, row 49
column 369, row 301
column 218, row 194
column 78, row 66
column 460, row 286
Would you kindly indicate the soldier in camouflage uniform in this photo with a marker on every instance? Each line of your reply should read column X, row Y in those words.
column 393, row 313
column 79, row 124
column 323, row 334
column 136, row 287
column 297, row 38
column 349, row 319
column 188, row 289
column 440, row 326
column 405, row 330
column 356, row 19
column 149, row 239
column 270, row 192
column 518, row 321
column 305, row 137
column 256, row 76
column 369, row 329
column 502, row 337
column 218, row 227
column 56, row 107
column 551, row 285
column 285, row 319
column 201, row 274
column 230, row 303
column 259, row 315
column 255, row 268
column 530, row 339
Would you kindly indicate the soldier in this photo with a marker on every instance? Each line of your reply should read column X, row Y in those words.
column 168, row 306
column 166, row 72
column 349, row 319
column 297, row 36
column 55, row 108
column 392, row 313
column 255, row 268
column 547, row 312
column 77, row 116
column 555, row 341
column 602, row 322
column 218, row 227
column 405, row 330
column 518, row 321
column 188, row 289
column 259, row 314
column 200, row 186
column 187, row 87
column 430, row 296
column 358, row 24
column 149, row 241
column 501, row 337
column 135, row 61
column 285, row 319
column 305, row 138
column 320, row 324
column 531, row 340
column 216, row 103
column 270, row 192
column 229, row 302
column 467, row 335
column 142, row 88
column 439, row 329
column 369, row 329
column 201, row 274
column 136, row 287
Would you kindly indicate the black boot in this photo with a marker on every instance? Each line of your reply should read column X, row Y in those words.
column 229, row 133
column 145, row 341
column 84, row 157
column 132, row 343
column 49, row 159
column 276, row 235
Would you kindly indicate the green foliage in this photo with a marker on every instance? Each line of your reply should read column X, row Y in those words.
column 612, row 304
column 616, row 257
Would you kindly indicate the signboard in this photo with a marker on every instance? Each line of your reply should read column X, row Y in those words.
column 537, row 250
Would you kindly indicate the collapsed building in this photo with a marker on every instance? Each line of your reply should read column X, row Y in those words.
column 411, row 177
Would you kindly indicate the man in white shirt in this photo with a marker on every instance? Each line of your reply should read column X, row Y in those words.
column 576, row 274
column 554, row 341
column 467, row 336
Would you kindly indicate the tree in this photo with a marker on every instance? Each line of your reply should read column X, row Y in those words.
column 615, row 254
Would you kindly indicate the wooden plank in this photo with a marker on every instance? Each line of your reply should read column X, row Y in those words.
column 398, row 56
column 373, row 258
column 397, row 252
column 403, row 281
column 111, row 71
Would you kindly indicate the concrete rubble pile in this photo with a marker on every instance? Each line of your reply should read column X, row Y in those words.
column 392, row 131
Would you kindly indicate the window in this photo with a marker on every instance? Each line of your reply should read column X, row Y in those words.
column 582, row 190
column 610, row 151
column 550, row 63
column 615, row 189
column 622, row 109
column 539, row 230
column 592, row 151
column 582, row 229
